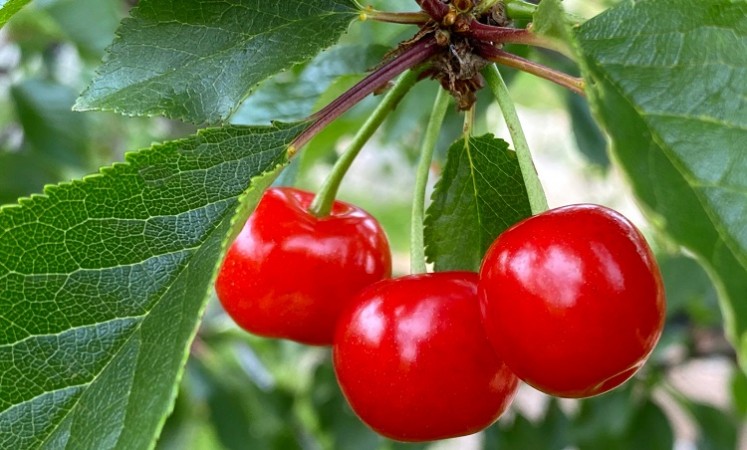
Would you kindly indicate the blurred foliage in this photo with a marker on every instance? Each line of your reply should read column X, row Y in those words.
column 239, row 391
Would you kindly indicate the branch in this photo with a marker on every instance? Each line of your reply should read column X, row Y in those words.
column 408, row 59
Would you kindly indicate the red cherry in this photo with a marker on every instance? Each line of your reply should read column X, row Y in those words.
column 414, row 363
column 572, row 299
column 290, row 273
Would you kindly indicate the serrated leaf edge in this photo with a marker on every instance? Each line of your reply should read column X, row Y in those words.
column 82, row 105
column 102, row 173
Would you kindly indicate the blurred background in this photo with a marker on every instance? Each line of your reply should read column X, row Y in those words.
column 245, row 392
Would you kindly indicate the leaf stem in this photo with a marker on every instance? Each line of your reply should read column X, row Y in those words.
column 408, row 59
column 417, row 239
column 537, row 199
column 407, row 18
column 469, row 123
column 521, row 36
column 508, row 59
column 324, row 199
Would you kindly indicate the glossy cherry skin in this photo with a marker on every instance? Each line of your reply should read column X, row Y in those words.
column 572, row 299
column 289, row 273
column 414, row 363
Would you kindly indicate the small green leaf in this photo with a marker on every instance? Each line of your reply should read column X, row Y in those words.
column 481, row 193
column 650, row 429
column 667, row 77
column 196, row 60
column 589, row 138
column 335, row 416
column 550, row 20
column 103, row 280
column 739, row 393
column 49, row 126
column 616, row 421
column 716, row 429
column 689, row 290
column 551, row 433
column 55, row 139
column 24, row 172
column 8, row 8
column 74, row 19
column 242, row 415
column 603, row 420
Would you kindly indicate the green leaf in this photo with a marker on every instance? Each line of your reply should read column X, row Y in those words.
column 716, row 429
column 650, row 429
column 667, row 77
column 24, row 172
column 689, row 290
column 481, row 193
column 55, row 139
column 396, row 445
column 291, row 96
column 551, row 433
column 242, row 415
column 604, row 419
column 8, row 8
column 739, row 393
column 196, row 60
column 335, row 416
column 74, row 19
column 49, row 126
column 103, row 280
column 550, row 20
column 620, row 420
column 589, row 138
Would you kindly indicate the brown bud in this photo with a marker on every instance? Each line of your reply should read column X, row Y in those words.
column 449, row 19
column 443, row 37
column 463, row 5
column 461, row 25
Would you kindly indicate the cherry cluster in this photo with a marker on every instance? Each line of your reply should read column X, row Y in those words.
column 456, row 39
column 569, row 301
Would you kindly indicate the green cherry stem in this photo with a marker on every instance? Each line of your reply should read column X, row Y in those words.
column 537, row 199
column 417, row 239
column 325, row 198
column 405, row 18
column 518, row 9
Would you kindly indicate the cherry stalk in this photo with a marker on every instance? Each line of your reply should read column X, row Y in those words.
column 443, row 29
